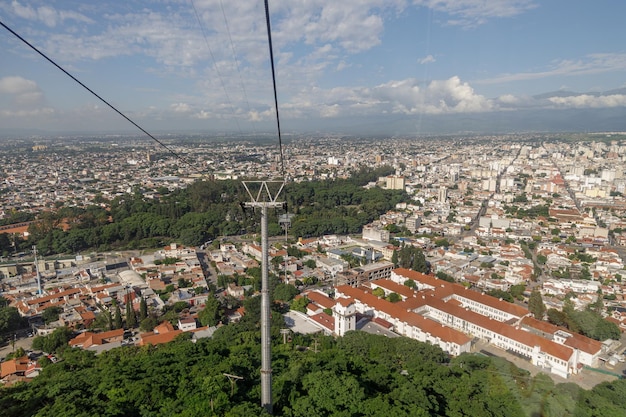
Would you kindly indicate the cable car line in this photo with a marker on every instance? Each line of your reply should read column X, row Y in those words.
column 34, row 48
column 269, row 40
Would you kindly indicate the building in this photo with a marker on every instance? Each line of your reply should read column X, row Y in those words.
column 359, row 276
column 187, row 324
column 374, row 232
column 344, row 312
column 88, row 339
column 442, row 196
column 394, row 182
column 413, row 223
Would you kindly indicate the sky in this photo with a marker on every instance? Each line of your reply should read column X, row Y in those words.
column 396, row 66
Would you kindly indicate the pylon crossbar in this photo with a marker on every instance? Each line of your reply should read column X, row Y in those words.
column 263, row 195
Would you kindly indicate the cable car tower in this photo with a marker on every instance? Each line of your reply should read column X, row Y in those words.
column 264, row 199
column 264, row 195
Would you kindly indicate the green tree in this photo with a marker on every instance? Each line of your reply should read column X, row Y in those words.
column 394, row 297
column 117, row 319
column 143, row 309
column 54, row 342
column 19, row 352
column 276, row 261
column 378, row 292
column 299, row 304
column 411, row 284
column 131, row 318
column 442, row 242
column 148, row 324
column 212, row 313
column 557, row 317
column 536, row 305
column 446, row 277
column 285, row 292
column 51, row 314
column 504, row 295
column 10, row 319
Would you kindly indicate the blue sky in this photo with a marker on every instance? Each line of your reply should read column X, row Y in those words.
column 203, row 64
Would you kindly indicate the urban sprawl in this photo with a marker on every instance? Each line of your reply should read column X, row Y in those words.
column 545, row 213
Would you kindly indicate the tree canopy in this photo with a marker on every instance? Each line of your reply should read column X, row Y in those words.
column 205, row 210
column 357, row 375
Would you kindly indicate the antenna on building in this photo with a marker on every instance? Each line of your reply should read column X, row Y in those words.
column 263, row 198
column 37, row 270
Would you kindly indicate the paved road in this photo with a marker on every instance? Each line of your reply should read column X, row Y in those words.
column 25, row 343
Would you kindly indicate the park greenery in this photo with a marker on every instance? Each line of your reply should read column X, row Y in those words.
column 203, row 211
column 588, row 322
column 357, row 375
column 10, row 319
column 411, row 257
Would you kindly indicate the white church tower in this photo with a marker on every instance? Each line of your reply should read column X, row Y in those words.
column 344, row 312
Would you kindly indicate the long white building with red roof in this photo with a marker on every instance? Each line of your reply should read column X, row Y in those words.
column 507, row 326
column 450, row 315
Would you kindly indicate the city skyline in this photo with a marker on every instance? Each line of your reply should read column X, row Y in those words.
column 387, row 66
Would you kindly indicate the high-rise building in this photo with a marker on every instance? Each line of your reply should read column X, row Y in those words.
column 443, row 194
column 395, row 182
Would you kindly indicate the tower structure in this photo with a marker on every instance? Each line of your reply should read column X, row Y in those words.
column 264, row 199
column 344, row 312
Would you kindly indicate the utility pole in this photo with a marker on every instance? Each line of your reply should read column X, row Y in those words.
column 263, row 198
column 232, row 378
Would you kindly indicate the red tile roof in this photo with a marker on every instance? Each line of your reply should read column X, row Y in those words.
column 320, row 299
column 576, row 341
column 14, row 366
column 160, row 338
column 324, row 320
column 400, row 312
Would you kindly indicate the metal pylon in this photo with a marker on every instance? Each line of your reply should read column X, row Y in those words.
column 264, row 199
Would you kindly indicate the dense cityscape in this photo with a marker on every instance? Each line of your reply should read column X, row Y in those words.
column 508, row 246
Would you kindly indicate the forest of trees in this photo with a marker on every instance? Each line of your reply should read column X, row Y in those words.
column 203, row 211
column 357, row 375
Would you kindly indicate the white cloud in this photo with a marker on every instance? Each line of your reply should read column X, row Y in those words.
column 44, row 111
column 509, row 99
column 589, row 101
column 342, row 65
column 180, row 108
column 399, row 97
column 469, row 13
column 47, row 15
column 429, row 59
column 352, row 25
column 590, row 64
column 24, row 95
column 17, row 85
